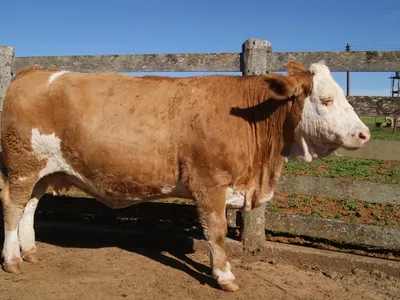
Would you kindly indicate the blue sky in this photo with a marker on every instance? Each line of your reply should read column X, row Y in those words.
column 170, row 26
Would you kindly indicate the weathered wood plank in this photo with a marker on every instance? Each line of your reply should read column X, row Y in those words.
column 375, row 105
column 189, row 62
column 340, row 189
column 375, row 149
column 333, row 230
column 365, row 61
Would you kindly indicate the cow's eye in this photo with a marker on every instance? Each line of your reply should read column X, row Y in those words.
column 328, row 101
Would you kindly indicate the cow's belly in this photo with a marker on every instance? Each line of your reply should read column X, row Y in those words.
column 118, row 180
column 117, row 198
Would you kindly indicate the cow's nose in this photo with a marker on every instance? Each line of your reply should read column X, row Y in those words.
column 364, row 136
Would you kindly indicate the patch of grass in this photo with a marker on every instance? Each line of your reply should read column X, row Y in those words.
column 384, row 134
column 346, row 167
column 389, row 208
column 350, row 205
column 374, row 214
column 306, row 200
column 367, row 205
column 318, row 214
column 271, row 206
column 348, row 210
column 292, row 202
column 380, row 133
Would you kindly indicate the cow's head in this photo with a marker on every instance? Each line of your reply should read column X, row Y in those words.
column 328, row 121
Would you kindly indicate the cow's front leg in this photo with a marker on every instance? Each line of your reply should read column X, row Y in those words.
column 211, row 209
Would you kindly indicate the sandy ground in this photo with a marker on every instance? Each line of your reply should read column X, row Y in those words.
column 110, row 272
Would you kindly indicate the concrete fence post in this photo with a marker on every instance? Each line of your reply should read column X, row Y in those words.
column 6, row 58
column 254, row 62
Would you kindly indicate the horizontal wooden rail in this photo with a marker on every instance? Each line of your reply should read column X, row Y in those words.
column 375, row 149
column 364, row 61
column 190, row 62
column 333, row 230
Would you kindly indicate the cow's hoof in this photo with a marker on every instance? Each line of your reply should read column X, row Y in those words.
column 30, row 256
column 12, row 268
column 229, row 285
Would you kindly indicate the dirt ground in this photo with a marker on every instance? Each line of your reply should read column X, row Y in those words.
column 110, row 272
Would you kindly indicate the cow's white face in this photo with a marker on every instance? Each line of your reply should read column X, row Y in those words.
column 328, row 120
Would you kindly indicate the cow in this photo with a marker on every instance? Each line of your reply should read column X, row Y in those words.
column 219, row 140
column 392, row 121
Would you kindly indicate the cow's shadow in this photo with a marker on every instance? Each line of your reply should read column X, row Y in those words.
column 148, row 244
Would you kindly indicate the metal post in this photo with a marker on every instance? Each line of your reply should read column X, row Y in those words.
column 348, row 73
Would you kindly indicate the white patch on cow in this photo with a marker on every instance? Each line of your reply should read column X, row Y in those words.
column 22, row 179
column 234, row 199
column 11, row 245
column 26, row 232
column 268, row 197
column 48, row 147
column 54, row 76
column 226, row 275
column 324, row 128
column 167, row 189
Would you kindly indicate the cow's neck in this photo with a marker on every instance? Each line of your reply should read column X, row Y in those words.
column 274, row 137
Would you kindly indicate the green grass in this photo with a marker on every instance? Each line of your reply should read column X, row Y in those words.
column 350, row 205
column 381, row 133
column 348, row 210
column 353, row 168
column 346, row 167
column 318, row 214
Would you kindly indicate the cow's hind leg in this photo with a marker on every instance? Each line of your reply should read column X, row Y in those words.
column 211, row 209
column 15, row 196
column 26, row 231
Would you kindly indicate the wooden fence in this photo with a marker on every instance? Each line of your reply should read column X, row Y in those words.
column 256, row 58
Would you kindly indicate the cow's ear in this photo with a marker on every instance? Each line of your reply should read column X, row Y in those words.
column 280, row 87
column 294, row 68
column 304, row 83
column 303, row 77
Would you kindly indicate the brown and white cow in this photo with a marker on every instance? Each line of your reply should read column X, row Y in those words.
column 219, row 140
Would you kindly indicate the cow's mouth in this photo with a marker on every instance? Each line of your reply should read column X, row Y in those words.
column 318, row 151
column 308, row 150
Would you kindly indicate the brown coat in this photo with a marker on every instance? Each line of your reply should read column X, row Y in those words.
column 131, row 136
column 125, row 139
